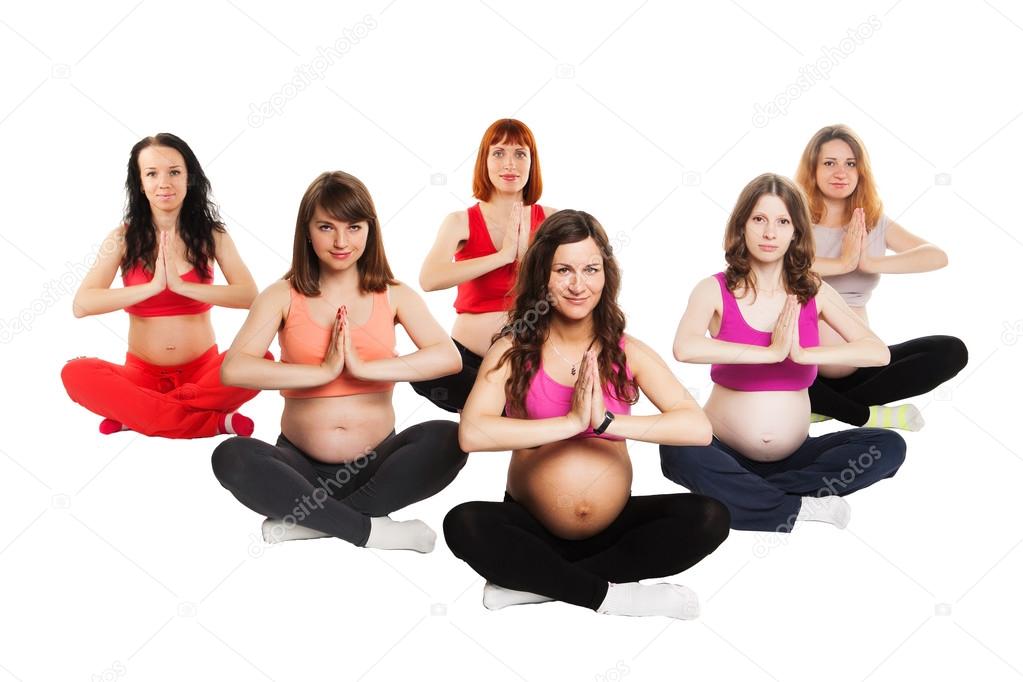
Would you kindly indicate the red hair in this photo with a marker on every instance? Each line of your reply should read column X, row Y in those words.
column 511, row 131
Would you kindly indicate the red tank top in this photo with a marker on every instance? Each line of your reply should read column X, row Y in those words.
column 490, row 292
column 166, row 302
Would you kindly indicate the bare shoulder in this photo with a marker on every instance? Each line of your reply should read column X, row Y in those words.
column 639, row 353
column 548, row 211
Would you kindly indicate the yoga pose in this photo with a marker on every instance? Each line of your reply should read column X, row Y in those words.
column 479, row 250
column 557, row 390
column 170, row 383
column 852, row 237
column 762, row 315
column 338, row 468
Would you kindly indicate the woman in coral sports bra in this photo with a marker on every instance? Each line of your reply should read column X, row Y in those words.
column 170, row 383
column 762, row 313
column 479, row 250
column 338, row 468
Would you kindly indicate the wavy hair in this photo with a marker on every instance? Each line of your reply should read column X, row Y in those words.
column 531, row 315
column 511, row 131
column 797, row 274
column 864, row 196
column 198, row 220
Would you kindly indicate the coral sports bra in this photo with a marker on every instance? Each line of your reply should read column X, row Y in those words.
column 304, row 341
column 166, row 302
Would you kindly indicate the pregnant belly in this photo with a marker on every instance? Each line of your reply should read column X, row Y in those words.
column 765, row 426
column 575, row 488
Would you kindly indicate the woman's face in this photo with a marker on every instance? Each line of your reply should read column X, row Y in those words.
column 576, row 278
column 769, row 230
column 508, row 166
column 337, row 244
column 836, row 170
column 164, row 177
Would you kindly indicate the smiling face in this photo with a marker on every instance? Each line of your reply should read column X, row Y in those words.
column 576, row 278
column 769, row 230
column 338, row 244
column 164, row 177
column 508, row 166
column 836, row 174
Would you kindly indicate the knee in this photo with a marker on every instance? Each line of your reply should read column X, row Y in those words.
column 956, row 355
column 229, row 461
column 461, row 529
column 76, row 374
column 444, row 434
column 714, row 522
column 889, row 451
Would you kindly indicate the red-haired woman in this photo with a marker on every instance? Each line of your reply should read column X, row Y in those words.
column 762, row 313
column 170, row 383
column 852, row 237
column 478, row 251
column 338, row 468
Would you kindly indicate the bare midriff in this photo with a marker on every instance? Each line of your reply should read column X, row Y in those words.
column 170, row 340
column 338, row 429
column 475, row 330
column 765, row 426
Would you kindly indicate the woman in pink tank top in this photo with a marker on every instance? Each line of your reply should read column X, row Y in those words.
column 762, row 314
column 557, row 390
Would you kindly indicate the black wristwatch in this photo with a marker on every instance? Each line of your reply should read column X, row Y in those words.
column 608, row 418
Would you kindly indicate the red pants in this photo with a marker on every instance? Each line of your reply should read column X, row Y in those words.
column 173, row 401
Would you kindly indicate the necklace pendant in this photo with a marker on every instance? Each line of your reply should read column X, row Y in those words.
column 573, row 370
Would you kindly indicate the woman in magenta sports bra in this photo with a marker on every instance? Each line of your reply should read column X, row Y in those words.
column 478, row 251
column 559, row 393
column 338, row 468
column 762, row 315
column 852, row 237
column 170, row 383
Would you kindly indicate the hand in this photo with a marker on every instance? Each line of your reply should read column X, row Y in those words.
column 597, row 408
column 854, row 241
column 523, row 223
column 512, row 238
column 171, row 275
column 781, row 337
column 866, row 262
column 797, row 353
column 159, row 282
column 356, row 366
column 334, row 361
column 582, row 396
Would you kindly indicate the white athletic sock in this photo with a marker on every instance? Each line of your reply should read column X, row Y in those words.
column 831, row 509
column 385, row 533
column 660, row 599
column 276, row 530
column 497, row 597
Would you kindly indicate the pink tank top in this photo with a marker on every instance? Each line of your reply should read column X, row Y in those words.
column 547, row 398
column 779, row 376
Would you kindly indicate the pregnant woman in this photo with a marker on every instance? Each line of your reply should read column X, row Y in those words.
column 170, row 383
column 558, row 392
column 338, row 468
column 478, row 251
column 762, row 315
column 852, row 237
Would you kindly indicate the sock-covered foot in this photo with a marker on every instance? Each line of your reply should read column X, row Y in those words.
column 385, row 533
column 905, row 417
column 108, row 426
column 276, row 530
column 235, row 424
column 814, row 418
column 831, row 509
column 497, row 597
column 660, row 599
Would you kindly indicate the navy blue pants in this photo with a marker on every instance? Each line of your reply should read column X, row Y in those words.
column 766, row 495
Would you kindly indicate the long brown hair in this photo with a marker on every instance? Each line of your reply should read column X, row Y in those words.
column 799, row 279
column 864, row 196
column 531, row 315
column 345, row 198
column 511, row 131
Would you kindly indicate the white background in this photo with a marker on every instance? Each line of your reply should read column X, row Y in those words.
column 122, row 557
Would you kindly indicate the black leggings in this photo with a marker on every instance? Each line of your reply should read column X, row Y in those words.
column 916, row 367
column 451, row 392
column 654, row 536
column 283, row 482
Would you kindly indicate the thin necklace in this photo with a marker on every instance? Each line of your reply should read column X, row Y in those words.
column 571, row 364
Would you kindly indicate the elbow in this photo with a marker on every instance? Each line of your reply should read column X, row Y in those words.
column 454, row 359
column 681, row 352
column 465, row 441
column 942, row 259
column 702, row 431
column 250, row 295
column 884, row 355
column 78, row 310
column 427, row 282
column 227, row 373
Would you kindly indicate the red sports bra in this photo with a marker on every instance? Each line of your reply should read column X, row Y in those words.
column 490, row 292
column 166, row 302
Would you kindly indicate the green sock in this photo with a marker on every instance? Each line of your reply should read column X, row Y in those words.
column 905, row 417
column 814, row 418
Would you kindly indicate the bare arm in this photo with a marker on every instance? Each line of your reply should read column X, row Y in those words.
column 912, row 254
column 852, row 247
column 862, row 347
column 441, row 271
column 681, row 421
column 482, row 428
column 436, row 355
column 94, row 295
column 693, row 345
column 240, row 289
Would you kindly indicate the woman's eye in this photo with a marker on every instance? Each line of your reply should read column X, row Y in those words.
column 326, row 227
column 355, row 228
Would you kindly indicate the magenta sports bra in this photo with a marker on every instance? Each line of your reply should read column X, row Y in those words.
column 778, row 376
column 547, row 398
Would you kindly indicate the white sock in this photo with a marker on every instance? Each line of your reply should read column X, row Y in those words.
column 831, row 509
column 385, row 533
column 660, row 599
column 276, row 530
column 497, row 597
